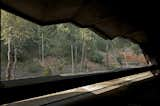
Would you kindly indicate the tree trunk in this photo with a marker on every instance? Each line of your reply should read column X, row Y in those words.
column 72, row 58
column 85, row 61
column 114, row 51
column 76, row 57
column 39, row 52
column 82, row 58
column 107, row 57
column 14, row 63
column 126, row 63
column 42, row 48
column 10, row 64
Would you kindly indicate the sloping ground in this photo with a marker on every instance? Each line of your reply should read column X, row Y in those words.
column 82, row 93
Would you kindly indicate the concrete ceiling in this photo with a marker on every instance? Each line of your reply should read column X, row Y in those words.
column 135, row 20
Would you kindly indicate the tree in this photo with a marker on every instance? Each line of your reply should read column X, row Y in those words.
column 10, row 35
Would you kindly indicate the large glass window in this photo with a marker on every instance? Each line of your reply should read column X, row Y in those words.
column 29, row 50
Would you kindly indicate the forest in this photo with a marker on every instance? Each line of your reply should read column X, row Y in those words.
column 29, row 50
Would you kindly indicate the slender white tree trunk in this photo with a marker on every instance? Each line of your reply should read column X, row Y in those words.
column 14, row 64
column 76, row 57
column 125, row 58
column 82, row 58
column 107, row 57
column 10, row 63
column 42, row 41
column 39, row 51
column 85, row 61
column 72, row 58
column 114, row 51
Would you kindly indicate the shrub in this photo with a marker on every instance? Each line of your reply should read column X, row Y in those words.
column 47, row 72
column 34, row 68
column 120, row 60
column 96, row 57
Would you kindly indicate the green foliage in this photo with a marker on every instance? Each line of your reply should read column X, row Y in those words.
column 47, row 72
column 120, row 60
column 121, row 43
column 95, row 56
column 3, row 51
column 136, row 49
column 100, row 43
column 34, row 67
